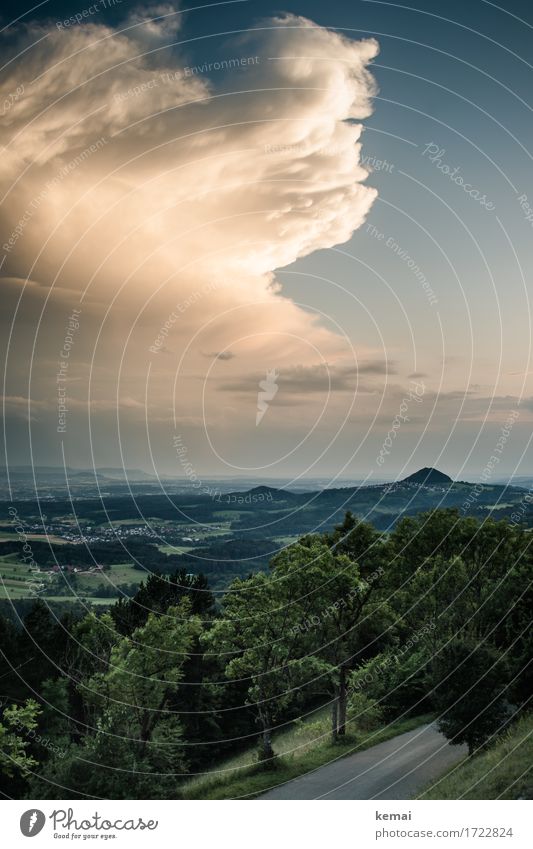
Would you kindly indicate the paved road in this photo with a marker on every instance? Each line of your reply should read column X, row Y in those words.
column 395, row 769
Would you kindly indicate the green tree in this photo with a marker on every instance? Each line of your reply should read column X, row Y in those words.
column 17, row 722
column 336, row 603
column 144, row 668
column 159, row 592
column 257, row 639
column 134, row 747
column 470, row 692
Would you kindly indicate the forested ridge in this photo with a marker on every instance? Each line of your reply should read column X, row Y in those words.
column 127, row 703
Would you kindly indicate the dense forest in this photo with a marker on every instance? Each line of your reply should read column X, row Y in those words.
column 431, row 617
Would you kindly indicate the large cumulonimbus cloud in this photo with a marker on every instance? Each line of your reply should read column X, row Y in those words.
column 141, row 181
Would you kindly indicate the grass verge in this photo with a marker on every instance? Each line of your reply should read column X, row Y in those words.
column 298, row 751
column 503, row 771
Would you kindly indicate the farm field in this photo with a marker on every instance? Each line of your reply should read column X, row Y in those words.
column 16, row 577
column 53, row 538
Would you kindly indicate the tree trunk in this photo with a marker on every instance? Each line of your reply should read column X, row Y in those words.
column 145, row 728
column 334, row 710
column 343, row 696
column 267, row 752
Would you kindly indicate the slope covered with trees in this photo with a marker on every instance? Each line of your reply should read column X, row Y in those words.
column 433, row 617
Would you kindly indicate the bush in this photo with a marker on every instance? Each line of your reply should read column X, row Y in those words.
column 398, row 683
column 470, row 683
column 364, row 713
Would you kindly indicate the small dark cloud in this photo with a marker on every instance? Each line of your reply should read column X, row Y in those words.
column 377, row 367
column 220, row 355
column 417, row 375
column 318, row 378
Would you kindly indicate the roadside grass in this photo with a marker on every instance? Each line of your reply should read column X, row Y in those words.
column 502, row 771
column 301, row 748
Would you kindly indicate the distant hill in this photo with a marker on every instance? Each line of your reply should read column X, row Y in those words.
column 128, row 474
column 59, row 473
column 260, row 493
column 428, row 477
